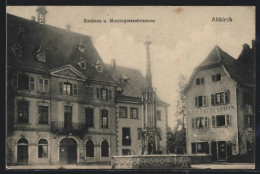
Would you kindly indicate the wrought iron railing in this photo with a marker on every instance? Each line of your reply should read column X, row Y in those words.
column 63, row 127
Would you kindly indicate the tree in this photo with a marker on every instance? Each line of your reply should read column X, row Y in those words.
column 177, row 136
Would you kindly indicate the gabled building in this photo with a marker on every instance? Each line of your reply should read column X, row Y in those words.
column 220, row 106
column 129, row 111
column 63, row 102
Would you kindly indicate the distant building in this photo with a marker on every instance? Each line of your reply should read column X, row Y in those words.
column 64, row 105
column 220, row 106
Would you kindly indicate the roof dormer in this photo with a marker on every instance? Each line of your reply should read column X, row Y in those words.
column 40, row 55
column 17, row 50
column 81, row 47
column 99, row 66
column 82, row 63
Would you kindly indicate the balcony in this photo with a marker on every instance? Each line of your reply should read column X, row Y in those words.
column 72, row 128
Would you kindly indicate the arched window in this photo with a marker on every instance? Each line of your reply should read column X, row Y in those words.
column 42, row 148
column 89, row 149
column 104, row 149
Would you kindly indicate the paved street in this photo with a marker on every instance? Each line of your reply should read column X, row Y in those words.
column 194, row 166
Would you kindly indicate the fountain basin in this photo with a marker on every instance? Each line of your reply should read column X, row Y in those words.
column 151, row 162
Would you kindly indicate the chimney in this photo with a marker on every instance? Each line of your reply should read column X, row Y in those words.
column 113, row 63
column 33, row 18
column 41, row 10
column 246, row 46
column 68, row 27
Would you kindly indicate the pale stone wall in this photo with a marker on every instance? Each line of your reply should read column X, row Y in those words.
column 224, row 133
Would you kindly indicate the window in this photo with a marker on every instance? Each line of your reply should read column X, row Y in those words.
column 104, row 94
column 158, row 116
column 134, row 113
column 23, row 111
column 43, row 114
column 249, row 121
column 98, row 92
column 104, row 119
column 201, row 101
column 42, row 148
column 99, row 68
column 31, row 83
column 67, row 88
column 43, row 85
column 67, row 117
column 89, row 91
column 89, row 148
column 122, row 112
column 221, row 120
column 199, row 81
column 41, row 57
column 126, row 138
column 89, row 117
column 110, row 94
column 17, row 50
column 216, row 77
column 200, row 147
column 104, row 149
column 220, row 98
column 126, row 152
column 199, row 122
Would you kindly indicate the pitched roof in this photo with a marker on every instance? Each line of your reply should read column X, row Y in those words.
column 60, row 45
column 238, row 71
column 135, row 83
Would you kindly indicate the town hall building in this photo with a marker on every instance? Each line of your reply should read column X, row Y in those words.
column 64, row 104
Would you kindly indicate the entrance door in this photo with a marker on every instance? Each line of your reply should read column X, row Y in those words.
column 22, row 152
column 214, row 150
column 222, row 151
column 68, row 151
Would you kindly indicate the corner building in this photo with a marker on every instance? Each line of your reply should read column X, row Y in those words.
column 220, row 106
column 62, row 100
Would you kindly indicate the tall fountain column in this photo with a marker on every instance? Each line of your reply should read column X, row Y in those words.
column 150, row 133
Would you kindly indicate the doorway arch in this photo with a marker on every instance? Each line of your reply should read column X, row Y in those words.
column 22, row 151
column 68, row 151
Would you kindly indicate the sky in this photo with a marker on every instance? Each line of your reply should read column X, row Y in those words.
column 181, row 37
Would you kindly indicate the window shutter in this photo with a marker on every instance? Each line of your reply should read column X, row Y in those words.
column 212, row 99
column 213, row 121
column 193, row 122
column 46, row 85
column 31, row 83
column 207, row 148
column 205, row 101
column 196, row 101
column 60, row 87
column 206, row 121
column 75, row 89
column 202, row 80
column 227, row 96
column 193, row 148
column 227, row 120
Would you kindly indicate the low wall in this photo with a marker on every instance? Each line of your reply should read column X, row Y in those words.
column 151, row 162
column 201, row 158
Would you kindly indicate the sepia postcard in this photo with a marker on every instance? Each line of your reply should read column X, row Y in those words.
column 130, row 87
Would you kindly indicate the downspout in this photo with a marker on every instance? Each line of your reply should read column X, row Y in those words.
column 238, row 138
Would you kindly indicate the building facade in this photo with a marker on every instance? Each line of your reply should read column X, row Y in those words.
column 64, row 105
column 220, row 106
